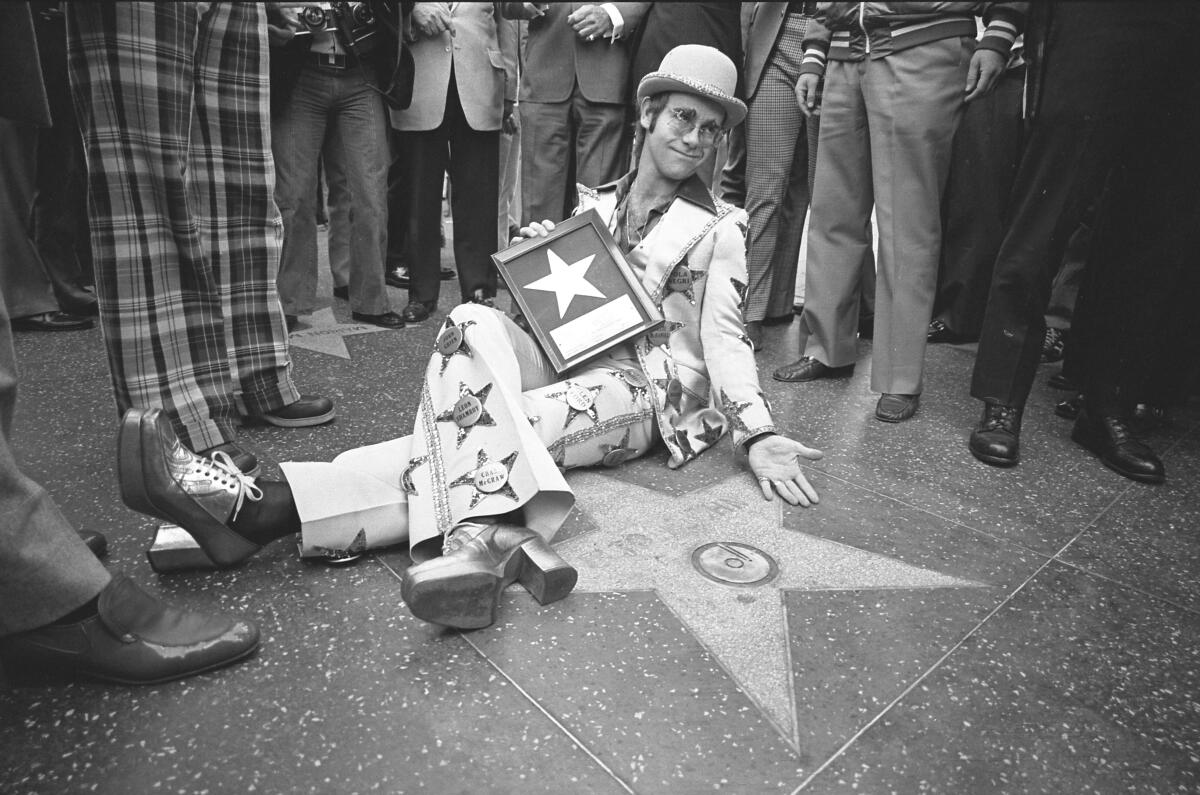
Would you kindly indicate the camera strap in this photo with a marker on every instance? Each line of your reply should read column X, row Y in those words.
column 345, row 18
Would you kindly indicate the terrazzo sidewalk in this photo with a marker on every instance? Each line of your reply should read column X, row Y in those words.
column 933, row 625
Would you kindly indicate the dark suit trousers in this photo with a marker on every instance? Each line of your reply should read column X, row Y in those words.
column 472, row 158
column 1096, row 111
column 46, row 571
column 983, row 165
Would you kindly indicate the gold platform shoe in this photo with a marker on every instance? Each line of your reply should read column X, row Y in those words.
column 462, row 588
column 162, row 478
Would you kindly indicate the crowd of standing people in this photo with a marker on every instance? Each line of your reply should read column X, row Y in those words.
column 1021, row 175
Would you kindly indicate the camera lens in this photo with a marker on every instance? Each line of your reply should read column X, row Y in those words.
column 313, row 17
column 361, row 13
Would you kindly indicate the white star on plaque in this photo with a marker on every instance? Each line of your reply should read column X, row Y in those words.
column 566, row 281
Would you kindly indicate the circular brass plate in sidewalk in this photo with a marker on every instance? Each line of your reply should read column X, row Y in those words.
column 732, row 563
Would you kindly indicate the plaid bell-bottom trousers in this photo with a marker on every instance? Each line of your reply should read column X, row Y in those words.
column 172, row 100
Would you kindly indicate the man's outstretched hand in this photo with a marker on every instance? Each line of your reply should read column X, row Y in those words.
column 775, row 461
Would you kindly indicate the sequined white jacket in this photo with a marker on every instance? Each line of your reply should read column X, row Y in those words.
column 700, row 362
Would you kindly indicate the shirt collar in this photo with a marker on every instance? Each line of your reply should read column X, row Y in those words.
column 692, row 189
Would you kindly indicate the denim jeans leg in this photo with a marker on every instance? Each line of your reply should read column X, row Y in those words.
column 297, row 133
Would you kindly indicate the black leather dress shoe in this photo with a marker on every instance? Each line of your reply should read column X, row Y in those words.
column 132, row 639
column 306, row 412
column 398, row 277
column 416, row 311
column 1108, row 437
column 939, row 333
column 896, row 408
column 806, row 368
column 292, row 321
column 342, row 292
column 462, row 587
column 160, row 477
column 1069, row 409
column 448, row 274
column 997, row 440
column 866, row 327
column 385, row 320
column 1054, row 343
column 52, row 321
column 96, row 542
column 1060, row 381
column 242, row 458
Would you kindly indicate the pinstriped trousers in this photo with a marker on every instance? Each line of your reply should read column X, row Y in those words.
column 172, row 99
column 776, row 178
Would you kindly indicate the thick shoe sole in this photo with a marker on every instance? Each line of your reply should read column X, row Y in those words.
column 1086, row 441
column 299, row 422
column 832, row 372
column 470, row 599
column 994, row 460
column 225, row 547
column 37, row 669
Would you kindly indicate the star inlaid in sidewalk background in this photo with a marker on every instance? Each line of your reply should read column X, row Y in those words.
column 324, row 334
column 644, row 541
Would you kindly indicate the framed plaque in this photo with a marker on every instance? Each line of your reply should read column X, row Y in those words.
column 576, row 290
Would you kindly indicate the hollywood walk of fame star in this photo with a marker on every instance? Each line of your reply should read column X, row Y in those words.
column 575, row 396
column 463, row 349
column 406, row 483
column 485, row 466
column 566, row 281
column 644, row 540
column 485, row 418
column 732, row 410
column 326, row 335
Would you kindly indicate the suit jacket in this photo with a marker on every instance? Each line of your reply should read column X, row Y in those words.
column 702, row 244
column 765, row 23
column 667, row 25
column 555, row 59
column 482, row 53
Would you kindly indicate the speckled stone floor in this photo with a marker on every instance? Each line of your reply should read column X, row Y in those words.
column 934, row 625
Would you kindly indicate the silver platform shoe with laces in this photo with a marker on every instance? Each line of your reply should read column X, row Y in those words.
column 162, row 478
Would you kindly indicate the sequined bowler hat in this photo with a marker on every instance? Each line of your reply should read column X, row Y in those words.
column 696, row 69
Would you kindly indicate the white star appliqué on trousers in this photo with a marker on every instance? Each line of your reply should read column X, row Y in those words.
column 566, row 281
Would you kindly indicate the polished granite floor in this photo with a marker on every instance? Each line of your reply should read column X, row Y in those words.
column 934, row 625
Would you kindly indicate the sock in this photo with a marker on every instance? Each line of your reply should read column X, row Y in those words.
column 272, row 517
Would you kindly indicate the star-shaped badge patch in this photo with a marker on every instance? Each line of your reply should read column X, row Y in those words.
column 406, row 483
column 488, row 477
column 452, row 341
column 711, row 432
column 740, row 288
column 468, row 411
column 580, row 399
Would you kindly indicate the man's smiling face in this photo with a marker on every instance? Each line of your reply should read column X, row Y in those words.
column 679, row 139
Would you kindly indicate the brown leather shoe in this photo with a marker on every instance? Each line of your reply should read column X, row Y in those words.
column 896, row 408
column 133, row 639
column 162, row 478
column 462, row 588
column 806, row 368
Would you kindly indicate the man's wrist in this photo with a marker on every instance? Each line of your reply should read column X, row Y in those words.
column 753, row 440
